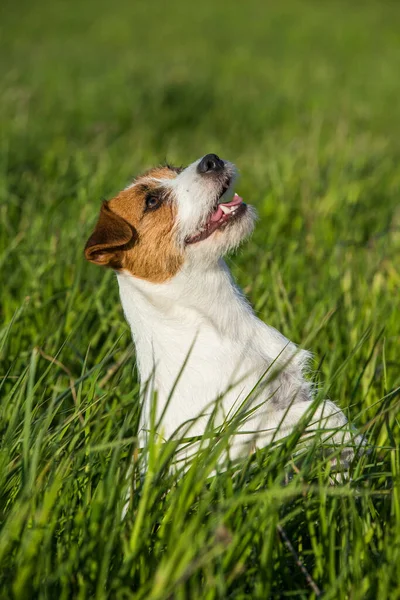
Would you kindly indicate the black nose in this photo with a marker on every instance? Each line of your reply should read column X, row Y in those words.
column 210, row 162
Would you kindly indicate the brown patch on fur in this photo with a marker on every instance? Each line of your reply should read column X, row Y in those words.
column 128, row 236
column 160, row 173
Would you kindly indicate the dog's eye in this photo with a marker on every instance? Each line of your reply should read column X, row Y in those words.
column 152, row 202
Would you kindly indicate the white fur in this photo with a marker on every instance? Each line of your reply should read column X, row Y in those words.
column 201, row 317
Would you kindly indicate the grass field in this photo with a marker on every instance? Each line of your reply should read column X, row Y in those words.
column 304, row 98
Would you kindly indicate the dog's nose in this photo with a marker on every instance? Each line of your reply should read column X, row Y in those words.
column 210, row 162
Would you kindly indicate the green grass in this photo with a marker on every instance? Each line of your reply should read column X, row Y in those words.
column 303, row 97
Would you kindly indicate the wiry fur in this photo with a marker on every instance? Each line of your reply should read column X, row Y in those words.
column 198, row 315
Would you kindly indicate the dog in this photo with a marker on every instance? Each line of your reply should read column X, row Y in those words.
column 198, row 342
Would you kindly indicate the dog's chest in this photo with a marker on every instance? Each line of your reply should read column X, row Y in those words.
column 198, row 368
column 199, row 347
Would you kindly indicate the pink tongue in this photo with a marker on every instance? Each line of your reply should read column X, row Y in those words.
column 218, row 214
column 234, row 202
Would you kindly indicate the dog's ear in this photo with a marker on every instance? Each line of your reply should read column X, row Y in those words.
column 109, row 237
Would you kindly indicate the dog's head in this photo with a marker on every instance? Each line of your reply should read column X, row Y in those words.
column 170, row 216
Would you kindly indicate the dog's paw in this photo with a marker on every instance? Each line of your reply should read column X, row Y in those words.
column 352, row 446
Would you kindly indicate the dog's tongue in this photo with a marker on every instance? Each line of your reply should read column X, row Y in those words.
column 218, row 214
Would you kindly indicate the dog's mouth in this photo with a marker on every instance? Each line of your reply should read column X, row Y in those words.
column 228, row 208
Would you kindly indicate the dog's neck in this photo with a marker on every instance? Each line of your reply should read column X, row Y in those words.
column 196, row 297
column 201, row 310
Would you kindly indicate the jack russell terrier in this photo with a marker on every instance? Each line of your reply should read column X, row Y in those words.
column 198, row 342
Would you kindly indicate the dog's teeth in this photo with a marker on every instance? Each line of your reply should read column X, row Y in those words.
column 225, row 209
